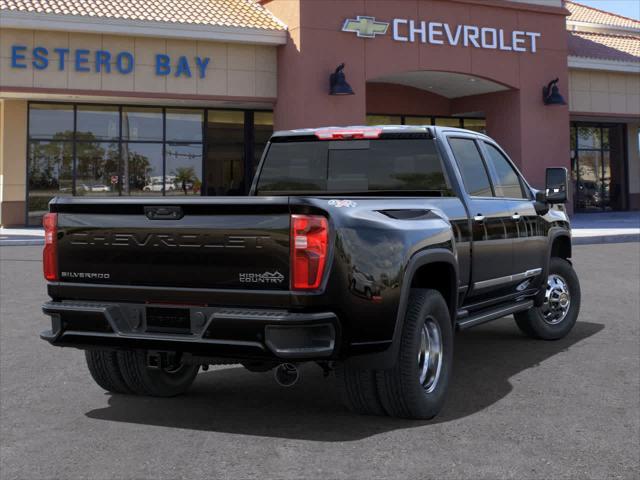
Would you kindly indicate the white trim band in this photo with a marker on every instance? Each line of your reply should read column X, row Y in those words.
column 584, row 63
column 102, row 25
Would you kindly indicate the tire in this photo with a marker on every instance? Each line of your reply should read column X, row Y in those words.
column 105, row 370
column 358, row 390
column 401, row 390
column 552, row 320
column 155, row 382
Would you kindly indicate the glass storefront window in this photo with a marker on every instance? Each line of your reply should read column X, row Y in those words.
column 142, row 167
column 142, row 124
column 384, row 120
column 475, row 124
column 50, row 174
column 417, row 120
column 225, row 153
column 263, row 129
column 183, row 169
column 184, row 125
column 97, row 168
column 51, row 121
column 97, row 123
column 589, row 137
column 108, row 150
column 448, row 122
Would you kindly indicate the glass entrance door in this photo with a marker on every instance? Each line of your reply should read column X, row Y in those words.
column 598, row 167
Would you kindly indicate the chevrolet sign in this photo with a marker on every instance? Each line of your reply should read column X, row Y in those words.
column 437, row 33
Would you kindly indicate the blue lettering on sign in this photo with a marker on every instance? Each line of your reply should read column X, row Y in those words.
column 82, row 58
column 183, row 67
column 104, row 61
column 18, row 58
column 163, row 64
column 125, row 62
column 40, row 58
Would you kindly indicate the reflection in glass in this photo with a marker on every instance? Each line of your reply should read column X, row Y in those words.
column 263, row 129
column 50, row 174
column 589, row 137
column 448, row 122
column 417, row 120
column 225, row 152
column 475, row 124
column 142, row 124
column 184, row 125
column 97, row 168
column 143, row 167
column 184, row 169
column 384, row 120
column 99, row 122
column 51, row 121
column 589, row 184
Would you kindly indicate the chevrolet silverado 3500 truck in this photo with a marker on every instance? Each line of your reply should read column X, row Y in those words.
column 362, row 249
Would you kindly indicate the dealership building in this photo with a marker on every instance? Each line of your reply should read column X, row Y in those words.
column 178, row 97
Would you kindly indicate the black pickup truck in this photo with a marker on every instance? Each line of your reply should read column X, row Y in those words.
column 361, row 249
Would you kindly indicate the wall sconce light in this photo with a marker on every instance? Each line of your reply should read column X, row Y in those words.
column 551, row 94
column 338, row 82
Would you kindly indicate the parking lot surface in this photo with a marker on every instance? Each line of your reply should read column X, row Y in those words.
column 517, row 408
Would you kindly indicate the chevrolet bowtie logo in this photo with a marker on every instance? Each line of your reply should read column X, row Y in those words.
column 365, row 27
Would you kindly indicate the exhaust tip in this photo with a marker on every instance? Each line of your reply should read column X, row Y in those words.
column 286, row 374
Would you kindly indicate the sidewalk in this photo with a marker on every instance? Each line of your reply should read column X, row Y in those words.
column 608, row 227
column 588, row 228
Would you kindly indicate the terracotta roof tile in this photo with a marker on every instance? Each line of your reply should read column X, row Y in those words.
column 582, row 13
column 624, row 48
column 224, row 13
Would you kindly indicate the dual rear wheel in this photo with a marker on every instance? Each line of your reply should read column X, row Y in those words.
column 129, row 372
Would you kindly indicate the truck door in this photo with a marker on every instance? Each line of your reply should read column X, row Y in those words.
column 491, row 256
column 524, row 225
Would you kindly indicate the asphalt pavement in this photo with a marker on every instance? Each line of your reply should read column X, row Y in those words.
column 518, row 408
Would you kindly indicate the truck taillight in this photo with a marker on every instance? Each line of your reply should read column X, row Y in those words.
column 50, row 253
column 366, row 133
column 309, row 245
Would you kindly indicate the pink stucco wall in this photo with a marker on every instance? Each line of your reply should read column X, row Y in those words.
column 535, row 135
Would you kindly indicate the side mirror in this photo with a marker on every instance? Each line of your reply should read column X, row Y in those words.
column 557, row 185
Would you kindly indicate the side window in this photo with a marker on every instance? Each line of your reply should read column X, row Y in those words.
column 474, row 173
column 507, row 183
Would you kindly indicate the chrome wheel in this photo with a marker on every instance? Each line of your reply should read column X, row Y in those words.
column 557, row 300
column 430, row 355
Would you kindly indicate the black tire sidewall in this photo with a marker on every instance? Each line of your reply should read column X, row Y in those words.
column 425, row 304
column 534, row 319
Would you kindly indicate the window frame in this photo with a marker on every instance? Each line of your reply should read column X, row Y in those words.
column 474, row 139
column 524, row 186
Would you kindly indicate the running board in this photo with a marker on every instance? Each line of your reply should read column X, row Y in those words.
column 494, row 314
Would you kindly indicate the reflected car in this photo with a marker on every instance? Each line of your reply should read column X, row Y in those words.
column 156, row 186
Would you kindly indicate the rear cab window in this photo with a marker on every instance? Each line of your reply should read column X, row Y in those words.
column 410, row 166
column 473, row 170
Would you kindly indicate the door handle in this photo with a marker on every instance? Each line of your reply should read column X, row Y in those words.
column 479, row 218
column 516, row 216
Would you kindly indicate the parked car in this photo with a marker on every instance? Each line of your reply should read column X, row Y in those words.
column 438, row 219
column 157, row 185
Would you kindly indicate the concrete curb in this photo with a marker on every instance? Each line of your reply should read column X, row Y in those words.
column 630, row 238
column 21, row 242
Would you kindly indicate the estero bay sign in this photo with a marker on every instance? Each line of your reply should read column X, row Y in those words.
column 439, row 33
column 98, row 61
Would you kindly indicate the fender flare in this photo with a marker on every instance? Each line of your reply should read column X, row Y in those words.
column 388, row 358
column 554, row 234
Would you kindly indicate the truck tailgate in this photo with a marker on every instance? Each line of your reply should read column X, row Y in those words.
column 232, row 242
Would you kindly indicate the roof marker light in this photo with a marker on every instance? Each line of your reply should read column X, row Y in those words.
column 349, row 133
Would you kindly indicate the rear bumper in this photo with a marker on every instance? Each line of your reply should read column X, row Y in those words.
column 268, row 334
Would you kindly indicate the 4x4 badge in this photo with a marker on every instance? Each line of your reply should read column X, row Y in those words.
column 365, row 27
